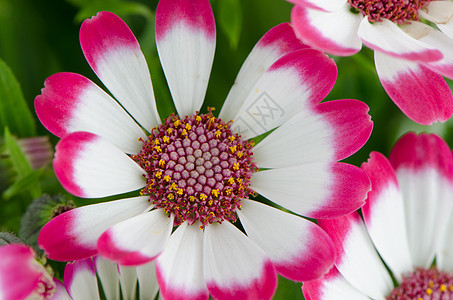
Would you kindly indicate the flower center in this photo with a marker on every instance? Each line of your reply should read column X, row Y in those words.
column 197, row 169
column 398, row 11
column 425, row 284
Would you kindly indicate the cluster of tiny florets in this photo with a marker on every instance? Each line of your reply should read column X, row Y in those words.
column 424, row 284
column 398, row 11
column 196, row 169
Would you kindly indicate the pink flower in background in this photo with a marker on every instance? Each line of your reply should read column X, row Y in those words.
column 407, row 218
column 195, row 172
column 116, row 282
column 21, row 276
column 410, row 56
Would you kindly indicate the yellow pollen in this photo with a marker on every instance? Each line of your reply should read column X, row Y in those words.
column 167, row 178
column 236, row 166
column 166, row 139
column 161, row 163
column 443, row 288
column 156, row 141
column 159, row 174
column 215, row 193
column 217, row 134
column 180, row 192
column 231, row 138
column 188, row 127
column 431, row 284
column 211, row 108
column 184, row 133
column 171, row 196
column 170, row 131
column 212, row 119
column 192, row 198
column 233, row 149
column 228, row 192
column 173, row 186
column 239, row 154
column 203, row 196
column 177, row 123
column 231, row 180
column 210, row 202
column 158, row 149
column 429, row 291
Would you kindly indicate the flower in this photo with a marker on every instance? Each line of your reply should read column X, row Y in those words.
column 407, row 219
column 21, row 276
column 195, row 171
column 80, row 281
column 410, row 56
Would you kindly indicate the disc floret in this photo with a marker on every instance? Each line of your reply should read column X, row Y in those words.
column 424, row 284
column 398, row 11
column 196, row 168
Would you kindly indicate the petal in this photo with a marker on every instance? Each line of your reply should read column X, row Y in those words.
column 136, row 240
column 383, row 214
column 20, row 273
column 114, row 54
column 74, row 234
column 332, row 130
column 89, row 166
column 328, row 5
column 61, row 293
column 356, row 259
column 421, row 94
column 234, row 266
column 318, row 190
column 128, row 281
column 387, row 37
column 180, row 266
column 107, row 271
column 185, row 37
column 440, row 13
column 147, row 280
column 424, row 168
column 80, row 280
column 320, row 30
column 333, row 286
column 437, row 39
column 70, row 102
column 444, row 257
column 278, row 41
column 297, row 80
column 298, row 248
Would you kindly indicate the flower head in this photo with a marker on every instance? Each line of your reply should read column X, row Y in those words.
column 407, row 219
column 197, row 173
column 21, row 276
column 410, row 56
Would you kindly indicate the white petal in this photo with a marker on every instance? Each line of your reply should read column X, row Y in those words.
column 180, row 266
column 147, row 280
column 128, row 281
column 440, row 13
column 107, row 271
column 444, row 257
column 80, row 280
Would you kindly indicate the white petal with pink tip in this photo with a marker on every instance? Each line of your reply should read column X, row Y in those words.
column 80, row 280
column 89, row 166
column 180, row 266
column 114, row 54
column 234, row 266
column 298, row 248
column 185, row 37
column 137, row 240
column 387, row 37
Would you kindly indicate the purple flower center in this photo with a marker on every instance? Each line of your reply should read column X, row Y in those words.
column 398, row 11
column 197, row 169
column 425, row 284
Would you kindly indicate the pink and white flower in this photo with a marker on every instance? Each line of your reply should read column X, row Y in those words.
column 407, row 224
column 21, row 276
column 196, row 171
column 81, row 280
column 410, row 56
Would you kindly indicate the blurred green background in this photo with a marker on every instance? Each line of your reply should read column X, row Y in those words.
column 39, row 38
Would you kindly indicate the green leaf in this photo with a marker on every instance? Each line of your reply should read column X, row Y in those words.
column 288, row 289
column 27, row 177
column 14, row 112
column 229, row 18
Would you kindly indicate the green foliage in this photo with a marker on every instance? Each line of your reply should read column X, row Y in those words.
column 229, row 19
column 14, row 112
